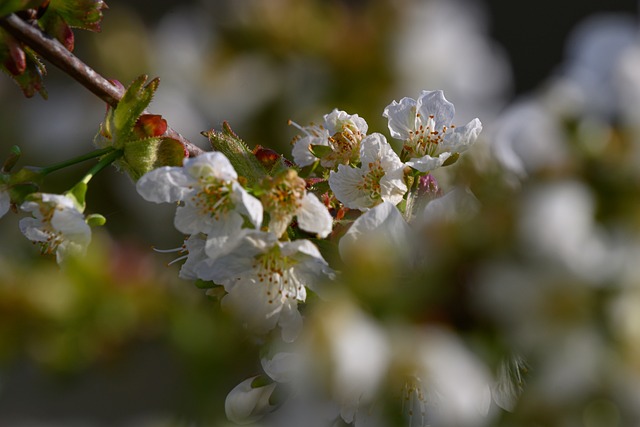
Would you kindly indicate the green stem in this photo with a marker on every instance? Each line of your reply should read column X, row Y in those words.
column 97, row 153
column 106, row 161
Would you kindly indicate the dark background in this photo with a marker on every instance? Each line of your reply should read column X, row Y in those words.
column 531, row 32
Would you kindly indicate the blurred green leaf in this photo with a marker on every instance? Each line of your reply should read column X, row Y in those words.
column 10, row 6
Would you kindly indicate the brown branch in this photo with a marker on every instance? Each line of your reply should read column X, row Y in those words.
column 54, row 52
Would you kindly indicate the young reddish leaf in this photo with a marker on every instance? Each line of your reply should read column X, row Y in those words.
column 150, row 125
column 55, row 25
column 12, row 57
column 10, row 6
column 84, row 14
column 31, row 79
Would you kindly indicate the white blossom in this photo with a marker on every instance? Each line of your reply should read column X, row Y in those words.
column 57, row 225
column 340, row 131
column 212, row 200
column 266, row 278
column 379, row 235
column 380, row 178
column 249, row 401
column 286, row 197
column 426, row 129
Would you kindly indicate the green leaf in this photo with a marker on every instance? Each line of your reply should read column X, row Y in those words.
column 83, row 14
column 241, row 157
column 10, row 6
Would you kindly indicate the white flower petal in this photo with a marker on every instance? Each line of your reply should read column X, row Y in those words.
column 212, row 163
column 433, row 103
column 283, row 367
column 393, row 187
column 462, row 137
column 248, row 205
column 302, row 156
column 195, row 247
column 245, row 404
column 222, row 238
column 428, row 163
column 30, row 227
column 336, row 120
column 290, row 321
column 382, row 227
column 164, row 185
column 402, row 117
column 188, row 220
column 57, row 224
column 314, row 217
column 344, row 183
column 5, row 202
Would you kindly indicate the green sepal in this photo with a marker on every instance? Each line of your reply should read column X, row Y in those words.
column 138, row 136
column 10, row 162
column 96, row 220
column 144, row 155
column 27, row 175
column 204, row 284
column 10, row 6
column 20, row 192
column 261, row 381
column 319, row 150
column 451, row 159
column 78, row 194
column 134, row 101
column 241, row 157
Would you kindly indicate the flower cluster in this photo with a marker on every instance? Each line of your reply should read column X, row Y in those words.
column 252, row 234
column 253, row 225
column 229, row 245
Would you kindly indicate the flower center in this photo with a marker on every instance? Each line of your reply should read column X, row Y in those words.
column 425, row 139
column 370, row 183
column 214, row 197
column 54, row 237
column 284, row 195
column 275, row 272
column 345, row 145
column 413, row 400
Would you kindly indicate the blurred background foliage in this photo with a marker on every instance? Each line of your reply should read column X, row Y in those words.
column 118, row 340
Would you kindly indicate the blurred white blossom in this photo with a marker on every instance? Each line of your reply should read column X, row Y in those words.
column 57, row 225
